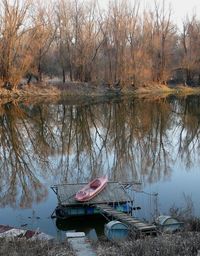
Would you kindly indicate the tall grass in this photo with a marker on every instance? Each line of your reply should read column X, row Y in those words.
column 23, row 247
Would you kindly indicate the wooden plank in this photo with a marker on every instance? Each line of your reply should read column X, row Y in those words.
column 130, row 221
column 123, row 217
column 149, row 227
column 75, row 234
column 135, row 221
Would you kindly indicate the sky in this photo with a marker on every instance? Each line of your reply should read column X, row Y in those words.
column 180, row 8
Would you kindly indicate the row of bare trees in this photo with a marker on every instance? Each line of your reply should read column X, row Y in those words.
column 81, row 40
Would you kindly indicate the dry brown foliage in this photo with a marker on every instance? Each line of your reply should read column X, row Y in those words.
column 21, row 247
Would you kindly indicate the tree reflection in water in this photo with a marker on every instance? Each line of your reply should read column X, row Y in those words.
column 129, row 139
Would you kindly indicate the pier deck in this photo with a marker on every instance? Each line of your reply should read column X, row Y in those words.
column 133, row 223
column 113, row 192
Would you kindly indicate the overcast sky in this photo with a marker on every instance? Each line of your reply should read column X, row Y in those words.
column 180, row 8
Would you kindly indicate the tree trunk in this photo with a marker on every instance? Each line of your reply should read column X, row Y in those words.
column 64, row 76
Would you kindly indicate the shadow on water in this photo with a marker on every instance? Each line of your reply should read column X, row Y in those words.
column 83, row 224
column 42, row 144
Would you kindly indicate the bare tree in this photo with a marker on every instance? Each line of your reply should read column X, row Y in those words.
column 119, row 46
column 64, row 37
column 190, row 40
column 42, row 35
column 14, row 43
column 163, row 34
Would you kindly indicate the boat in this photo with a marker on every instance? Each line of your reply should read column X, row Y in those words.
column 91, row 189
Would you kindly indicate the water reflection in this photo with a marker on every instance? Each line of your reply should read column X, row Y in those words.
column 83, row 224
column 20, row 183
column 130, row 139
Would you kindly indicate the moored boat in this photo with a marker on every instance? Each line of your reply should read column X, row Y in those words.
column 91, row 189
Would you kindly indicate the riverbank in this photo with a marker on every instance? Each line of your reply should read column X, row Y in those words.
column 58, row 90
column 31, row 91
column 23, row 247
column 89, row 89
column 183, row 243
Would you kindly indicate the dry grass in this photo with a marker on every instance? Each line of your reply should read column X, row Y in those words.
column 184, row 243
column 186, row 90
column 150, row 90
column 156, row 89
column 88, row 89
column 23, row 247
column 30, row 91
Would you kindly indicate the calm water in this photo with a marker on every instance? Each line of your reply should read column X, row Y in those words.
column 153, row 140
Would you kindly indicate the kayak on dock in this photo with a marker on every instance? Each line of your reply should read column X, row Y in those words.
column 91, row 189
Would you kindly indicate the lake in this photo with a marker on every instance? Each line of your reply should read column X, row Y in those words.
column 153, row 140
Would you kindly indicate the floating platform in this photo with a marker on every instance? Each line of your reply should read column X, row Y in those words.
column 113, row 192
column 113, row 202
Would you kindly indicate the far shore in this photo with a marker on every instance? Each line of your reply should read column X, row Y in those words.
column 57, row 90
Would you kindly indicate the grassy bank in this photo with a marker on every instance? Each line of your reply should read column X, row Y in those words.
column 33, row 91
column 186, row 242
column 56, row 90
column 21, row 247
column 71, row 89
column 183, row 243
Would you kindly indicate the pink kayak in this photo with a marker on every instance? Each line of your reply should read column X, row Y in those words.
column 91, row 189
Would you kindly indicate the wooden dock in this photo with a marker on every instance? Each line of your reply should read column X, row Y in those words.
column 113, row 194
column 134, row 224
